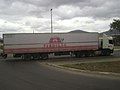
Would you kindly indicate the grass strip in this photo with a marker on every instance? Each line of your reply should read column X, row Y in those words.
column 112, row 66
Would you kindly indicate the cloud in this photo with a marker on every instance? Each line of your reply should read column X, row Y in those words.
column 63, row 8
column 82, row 23
column 66, row 12
column 28, row 15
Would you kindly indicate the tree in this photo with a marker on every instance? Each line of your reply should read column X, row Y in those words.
column 115, row 25
column 115, row 28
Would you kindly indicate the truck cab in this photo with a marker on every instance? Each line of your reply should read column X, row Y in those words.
column 106, row 45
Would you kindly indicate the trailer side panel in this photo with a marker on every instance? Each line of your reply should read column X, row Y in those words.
column 46, row 42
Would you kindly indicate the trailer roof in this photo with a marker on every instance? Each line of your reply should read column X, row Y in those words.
column 52, row 33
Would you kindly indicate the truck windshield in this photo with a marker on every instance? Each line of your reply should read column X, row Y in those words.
column 110, row 41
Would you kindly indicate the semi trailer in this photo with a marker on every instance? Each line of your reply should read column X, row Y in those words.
column 41, row 45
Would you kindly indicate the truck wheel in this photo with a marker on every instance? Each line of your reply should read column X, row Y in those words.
column 44, row 56
column 92, row 54
column 34, row 57
column 105, row 53
column 87, row 54
column 79, row 55
column 108, row 53
column 26, row 57
column 4, row 56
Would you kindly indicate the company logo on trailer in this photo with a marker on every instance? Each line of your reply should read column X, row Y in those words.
column 55, row 42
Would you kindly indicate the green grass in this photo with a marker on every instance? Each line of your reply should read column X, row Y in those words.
column 113, row 66
column 116, row 47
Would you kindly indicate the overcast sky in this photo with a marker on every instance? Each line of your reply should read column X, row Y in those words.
column 24, row 16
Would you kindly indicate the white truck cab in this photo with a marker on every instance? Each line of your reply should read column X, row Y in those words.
column 106, row 45
column 108, row 42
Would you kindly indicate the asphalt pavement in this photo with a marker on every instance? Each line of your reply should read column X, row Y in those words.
column 33, row 75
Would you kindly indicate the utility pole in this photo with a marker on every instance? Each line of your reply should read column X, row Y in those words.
column 33, row 30
column 51, row 22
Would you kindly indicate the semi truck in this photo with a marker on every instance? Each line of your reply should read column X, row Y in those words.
column 41, row 45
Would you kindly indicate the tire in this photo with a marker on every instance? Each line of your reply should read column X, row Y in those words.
column 4, row 56
column 26, row 57
column 44, row 56
column 105, row 53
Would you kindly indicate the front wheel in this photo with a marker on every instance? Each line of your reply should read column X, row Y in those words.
column 105, row 53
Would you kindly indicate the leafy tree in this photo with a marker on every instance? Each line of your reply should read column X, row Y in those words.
column 115, row 27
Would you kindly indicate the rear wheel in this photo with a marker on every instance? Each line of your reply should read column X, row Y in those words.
column 35, row 56
column 44, row 56
column 79, row 54
column 26, row 57
column 4, row 56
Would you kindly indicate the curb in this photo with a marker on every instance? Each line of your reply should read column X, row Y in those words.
column 84, row 71
column 116, row 49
